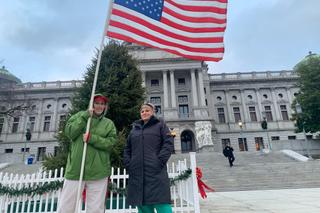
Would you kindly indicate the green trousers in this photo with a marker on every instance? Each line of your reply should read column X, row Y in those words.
column 161, row 208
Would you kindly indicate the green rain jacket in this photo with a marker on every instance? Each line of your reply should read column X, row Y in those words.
column 102, row 138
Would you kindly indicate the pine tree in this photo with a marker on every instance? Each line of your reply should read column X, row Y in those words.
column 120, row 80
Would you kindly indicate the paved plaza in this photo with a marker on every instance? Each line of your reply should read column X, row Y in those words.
column 268, row 201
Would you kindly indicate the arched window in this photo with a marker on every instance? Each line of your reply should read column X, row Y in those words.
column 187, row 141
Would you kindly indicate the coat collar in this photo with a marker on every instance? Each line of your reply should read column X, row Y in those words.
column 139, row 123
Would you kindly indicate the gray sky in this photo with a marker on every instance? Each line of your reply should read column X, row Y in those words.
column 49, row 40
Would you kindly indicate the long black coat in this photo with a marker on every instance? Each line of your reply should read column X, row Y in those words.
column 146, row 154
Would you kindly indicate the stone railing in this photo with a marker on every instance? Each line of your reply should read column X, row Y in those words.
column 253, row 75
column 50, row 85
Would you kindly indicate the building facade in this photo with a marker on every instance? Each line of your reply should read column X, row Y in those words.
column 205, row 110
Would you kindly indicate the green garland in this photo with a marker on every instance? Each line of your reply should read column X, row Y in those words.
column 39, row 189
column 47, row 187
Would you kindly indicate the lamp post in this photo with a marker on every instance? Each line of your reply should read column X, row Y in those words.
column 241, row 131
column 299, row 112
column 28, row 138
column 264, row 126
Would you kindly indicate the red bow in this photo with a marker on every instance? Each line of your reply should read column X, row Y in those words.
column 201, row 185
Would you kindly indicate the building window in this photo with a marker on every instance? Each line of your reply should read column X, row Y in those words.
column 265, row 96
column 280, row 95
column 41, row 153
column 154, row 82
column 183, row 111
column 8, row 151
column 252, row 112
column 243, row 144
column 236, row 113
column 62, row 118
column 27, row 149
column 181, row 81
column 15, row 125
column 284, row 112
column 155, row 100
column 157, row 109
column 64, row 105
column 206, row 102
column 225, row 142
column 1, row 125
column 250, row 97
column 32, row 121
column 221, row 116
column 183, row 99
column 268, row 113
column 234, row 97
column 259, row 143
column 292, row 137
column 46, row 125
column 49, row 106
column 275, row 138
column 219, row 98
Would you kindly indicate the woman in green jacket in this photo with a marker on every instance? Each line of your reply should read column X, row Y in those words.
column 97, row 167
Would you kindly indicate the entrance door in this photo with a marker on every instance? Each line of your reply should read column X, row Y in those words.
column 186, row 141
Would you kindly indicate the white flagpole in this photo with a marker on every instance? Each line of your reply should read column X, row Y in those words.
column 78, row 203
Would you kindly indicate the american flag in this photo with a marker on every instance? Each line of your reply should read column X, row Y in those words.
column 189, row 28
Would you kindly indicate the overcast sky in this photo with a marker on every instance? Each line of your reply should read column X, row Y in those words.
column 49, row 40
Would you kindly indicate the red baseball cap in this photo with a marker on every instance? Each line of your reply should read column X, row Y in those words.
column 100, row 97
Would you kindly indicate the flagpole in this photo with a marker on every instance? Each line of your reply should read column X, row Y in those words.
column 78, row 203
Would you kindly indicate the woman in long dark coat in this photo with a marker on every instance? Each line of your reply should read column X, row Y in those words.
column 149, row 146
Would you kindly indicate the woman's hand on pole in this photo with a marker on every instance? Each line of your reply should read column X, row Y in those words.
column 86, row 137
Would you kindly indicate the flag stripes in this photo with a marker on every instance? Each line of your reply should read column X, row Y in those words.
column 189, row 28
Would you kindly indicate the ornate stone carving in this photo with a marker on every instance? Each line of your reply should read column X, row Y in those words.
column 203, row 133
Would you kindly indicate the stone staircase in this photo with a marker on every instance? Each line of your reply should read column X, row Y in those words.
column 255, row 171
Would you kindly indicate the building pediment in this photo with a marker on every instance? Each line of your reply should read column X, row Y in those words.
column 155, row 90
column 282, row 101
column 183, row 90
column 251, row 103
column 266, row 102
column 235, row 103
column 220, row 104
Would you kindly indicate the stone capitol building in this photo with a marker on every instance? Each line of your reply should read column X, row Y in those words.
column 207, row 111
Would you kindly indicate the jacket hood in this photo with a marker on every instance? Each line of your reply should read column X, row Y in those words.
column 107, row 101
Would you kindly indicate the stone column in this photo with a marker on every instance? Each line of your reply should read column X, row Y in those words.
column 201, row 88
column 165, row 89
column 290, row 101
column 276, row 106
column 194, row 88
column 289, row 96
column 39, row 120
column 173, row 90
column 259, row 109
column 246, row 117
column 55, row 117
column 143, row 76
column 229, row 111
